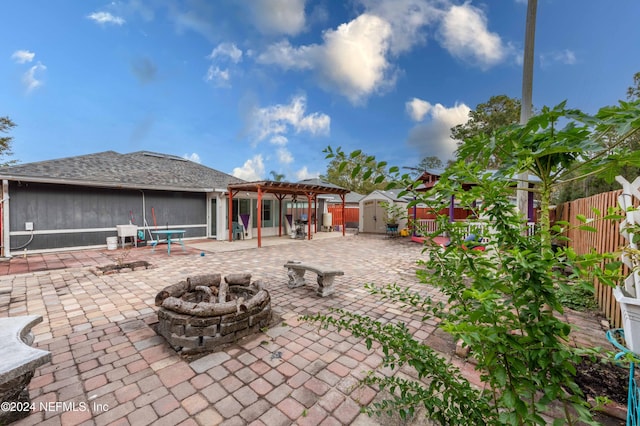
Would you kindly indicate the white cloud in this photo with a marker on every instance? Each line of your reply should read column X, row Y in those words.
column 352, row 59
column 288, row 57
column 304, row 173
column 199, row 18
column 279, row 140
column 30, row 79
column 226, row 50
column 192, row 157
column 408, row 20
column 23, row 56
column 356, row 58
column 519, row 58
column 417, row 108
column 223, row 52
column 278, row 16
column 465, row 35
column 284, row 156
column 565, row 57
column 433, row 138
column 103, row 18
column 276, row 121
column 219, row 77
column 251, row 170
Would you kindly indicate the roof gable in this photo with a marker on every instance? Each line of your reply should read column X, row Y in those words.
column 390, row 194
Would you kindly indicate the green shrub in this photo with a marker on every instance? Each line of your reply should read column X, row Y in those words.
column 501, row 302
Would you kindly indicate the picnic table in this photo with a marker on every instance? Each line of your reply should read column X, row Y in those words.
column 168, row 234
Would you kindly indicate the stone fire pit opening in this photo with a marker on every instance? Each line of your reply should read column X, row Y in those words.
column 206, row 314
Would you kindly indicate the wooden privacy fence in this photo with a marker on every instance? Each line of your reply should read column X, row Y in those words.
column 606, row 239
column 351, row 214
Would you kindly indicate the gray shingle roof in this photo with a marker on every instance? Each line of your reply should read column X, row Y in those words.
column 142, row 169
column 350, row 197
column 392, row 194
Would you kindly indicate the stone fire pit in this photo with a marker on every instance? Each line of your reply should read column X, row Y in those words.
column 206, row 314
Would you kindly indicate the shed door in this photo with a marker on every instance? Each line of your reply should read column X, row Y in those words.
column 373, row 216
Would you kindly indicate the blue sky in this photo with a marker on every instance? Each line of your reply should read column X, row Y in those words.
column 250, row 87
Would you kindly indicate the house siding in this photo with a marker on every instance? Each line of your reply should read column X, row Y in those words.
column 72, row 216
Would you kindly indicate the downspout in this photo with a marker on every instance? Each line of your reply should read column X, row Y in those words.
column 344, row 220
column 259, row 216
column 315, row 213
column 230, row 219
column 144, row 217
column 280, row 197
column 6, row 238
column 309, row 201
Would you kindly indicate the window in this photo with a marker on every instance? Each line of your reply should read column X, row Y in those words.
column 239, row 207
column 267, row 213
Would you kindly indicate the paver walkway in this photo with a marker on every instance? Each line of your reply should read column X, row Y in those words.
column 107, row 359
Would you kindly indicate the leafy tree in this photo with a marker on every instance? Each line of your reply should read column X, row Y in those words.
column 505, row 304
column 278, row 177
column 427, row 163
column 497, row 112
column 353, row 175
column 591, row 184
column 560, row 145
column 633, row 92
column 5, row 141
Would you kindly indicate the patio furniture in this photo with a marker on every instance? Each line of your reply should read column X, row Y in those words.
column 19, row 363
column 325, row 279
column 238, row 231
column 168, row 234
column 392, row 230
column 301, row 229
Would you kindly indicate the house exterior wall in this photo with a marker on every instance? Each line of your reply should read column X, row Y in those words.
column 66, row 216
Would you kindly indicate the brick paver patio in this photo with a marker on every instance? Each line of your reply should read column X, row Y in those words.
column 106, row 355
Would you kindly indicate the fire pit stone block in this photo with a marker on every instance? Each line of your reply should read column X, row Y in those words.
column 190, row 324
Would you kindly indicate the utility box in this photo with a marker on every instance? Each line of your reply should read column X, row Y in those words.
column 28, row 226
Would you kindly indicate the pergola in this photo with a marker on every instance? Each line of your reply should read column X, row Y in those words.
column 281, row 190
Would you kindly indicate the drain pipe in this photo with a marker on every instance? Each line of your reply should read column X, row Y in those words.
column 4, row 208
column 145, row 225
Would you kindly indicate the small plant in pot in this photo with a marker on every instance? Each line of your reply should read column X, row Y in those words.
column 393, row 214
column 505, row 305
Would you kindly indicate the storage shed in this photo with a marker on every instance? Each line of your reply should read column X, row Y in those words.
column 372, row 210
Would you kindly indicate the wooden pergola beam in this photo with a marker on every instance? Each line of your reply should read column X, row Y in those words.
column 281, row 190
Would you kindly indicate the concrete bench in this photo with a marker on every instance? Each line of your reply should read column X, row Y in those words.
column 18, row 362
column 326, row 276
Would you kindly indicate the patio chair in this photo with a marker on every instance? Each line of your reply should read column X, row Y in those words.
column 473, row 242
column 238, row 231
